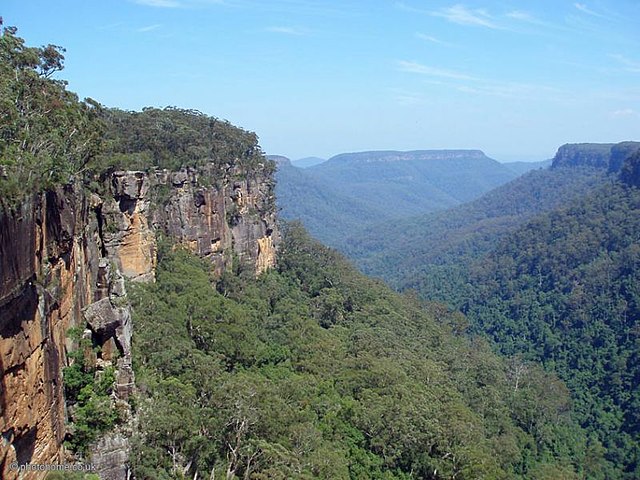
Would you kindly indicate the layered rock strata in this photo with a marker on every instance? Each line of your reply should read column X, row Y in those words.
column 64, row 257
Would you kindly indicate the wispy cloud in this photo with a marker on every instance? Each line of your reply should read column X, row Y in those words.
column 584, row 9
column 160, row 3
column 432, row 39
column 288, row 30
column 625, row 113
column 149, row 28
column 419, row 68
column 464, row 16
column 516, row 21
column 628, row 64
column 522, row 16
column 474, row 85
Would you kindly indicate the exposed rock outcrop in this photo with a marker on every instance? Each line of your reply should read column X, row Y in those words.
column 621, row 152
column 219, row 221
column 64, row 256
column 605, row 156
column 128, row 237
column 42, row 298
column 594, row 155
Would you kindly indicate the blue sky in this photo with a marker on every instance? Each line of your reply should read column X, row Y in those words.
column 317, row 78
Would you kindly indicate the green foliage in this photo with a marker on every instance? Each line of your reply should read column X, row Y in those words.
column 563, row 290
column 175, row 138
column 432, row 253
column 48, row 137
column 557, row 288
column 314, row 371
column 46, row 134
column 88, row 391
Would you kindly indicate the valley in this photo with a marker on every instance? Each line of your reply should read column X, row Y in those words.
column 176, row 304
column 545, row 266
column 357, row 190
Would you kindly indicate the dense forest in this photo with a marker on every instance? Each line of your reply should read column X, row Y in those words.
column 316, row 371
column 313, row 370
column 547, row 268
column 432, row 253
column 563, row 290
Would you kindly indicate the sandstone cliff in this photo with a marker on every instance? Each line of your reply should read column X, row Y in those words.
column 64, row 256
column 605, row 156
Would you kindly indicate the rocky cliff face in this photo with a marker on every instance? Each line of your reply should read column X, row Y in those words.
column 605, row 156
column 64, row 256
column 630, row 171
column 583, row 155
column 234, row 217
column 50, row 261
column 621, row 152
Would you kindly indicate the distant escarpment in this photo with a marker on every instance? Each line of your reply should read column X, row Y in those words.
column 630, row 171
column 356, row 190
column 430, row 253
column 66, row 253
column 398, row 156
column 607, row 156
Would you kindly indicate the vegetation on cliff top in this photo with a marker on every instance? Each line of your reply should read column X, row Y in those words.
column 48, row 136
column 46, row 133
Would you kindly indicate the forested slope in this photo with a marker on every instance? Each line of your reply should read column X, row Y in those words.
column 315, row 371
column 431, row 253
column 352, row 191
column 564, row 290
column 327, row 213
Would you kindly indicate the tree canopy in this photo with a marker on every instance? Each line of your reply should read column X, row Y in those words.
column 315, row 371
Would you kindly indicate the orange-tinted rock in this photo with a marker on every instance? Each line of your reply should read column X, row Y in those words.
column 63, row 256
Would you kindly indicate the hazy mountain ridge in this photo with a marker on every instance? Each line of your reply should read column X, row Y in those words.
column 300, row 195
column 523, row 167
column 353, row 190
column 307, row 162
column 424, row 252
column 547, row 267
column 401, row 156
column 420, row 252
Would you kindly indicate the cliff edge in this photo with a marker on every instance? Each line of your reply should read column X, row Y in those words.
column 64, row 258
